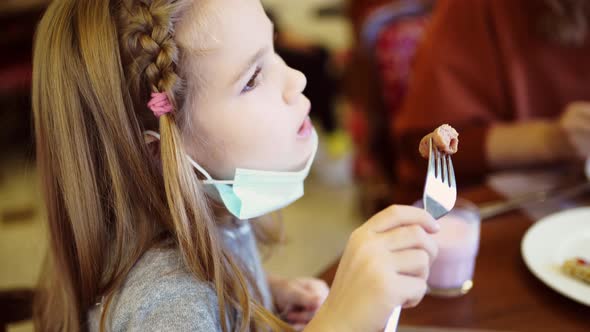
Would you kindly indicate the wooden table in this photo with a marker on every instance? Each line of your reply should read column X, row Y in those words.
column 506, row 296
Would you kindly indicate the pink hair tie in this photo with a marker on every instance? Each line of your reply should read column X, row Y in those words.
column 159, row 104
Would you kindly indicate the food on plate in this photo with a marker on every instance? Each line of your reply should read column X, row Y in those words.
column 578, row 268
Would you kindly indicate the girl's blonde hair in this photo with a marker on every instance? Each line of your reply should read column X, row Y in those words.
column 96, row 62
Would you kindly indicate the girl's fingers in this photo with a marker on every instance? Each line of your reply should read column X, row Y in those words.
column 410, row 237
column 319, row 288
column 299, row 327
column 303, row 298
column 300, row 317
column 401, row 215
column 413, row 263
column 414, row 290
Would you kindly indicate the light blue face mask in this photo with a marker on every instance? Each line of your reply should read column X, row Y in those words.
column 254, row 193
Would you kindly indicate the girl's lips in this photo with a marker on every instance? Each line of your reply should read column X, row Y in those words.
column 306, row 129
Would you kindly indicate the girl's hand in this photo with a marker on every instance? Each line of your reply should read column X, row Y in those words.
column 297, row 300
column 385, row 264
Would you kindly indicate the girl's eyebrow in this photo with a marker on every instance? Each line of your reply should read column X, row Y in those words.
column 253, row 59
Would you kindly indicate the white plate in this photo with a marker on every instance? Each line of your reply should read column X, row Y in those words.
column 550, row 242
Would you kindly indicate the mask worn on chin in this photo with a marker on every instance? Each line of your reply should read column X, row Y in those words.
column 254, row 193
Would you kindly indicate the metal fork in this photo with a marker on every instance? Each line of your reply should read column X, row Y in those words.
column 440, row 190
column 440, row 195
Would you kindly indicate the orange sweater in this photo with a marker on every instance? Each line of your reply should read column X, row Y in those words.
column 484, row 62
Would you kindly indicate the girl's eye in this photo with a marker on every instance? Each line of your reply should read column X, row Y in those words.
column 253, row 82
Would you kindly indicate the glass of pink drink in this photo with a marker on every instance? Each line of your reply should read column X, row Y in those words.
column 451, row 273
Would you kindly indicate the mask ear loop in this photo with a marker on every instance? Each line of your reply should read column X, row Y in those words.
column 151, row 136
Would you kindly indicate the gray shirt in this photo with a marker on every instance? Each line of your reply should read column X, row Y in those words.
column 160, row 295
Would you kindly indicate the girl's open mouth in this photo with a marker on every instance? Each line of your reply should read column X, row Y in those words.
column 305, row 129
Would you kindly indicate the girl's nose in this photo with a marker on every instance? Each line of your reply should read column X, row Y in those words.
column 295, row 86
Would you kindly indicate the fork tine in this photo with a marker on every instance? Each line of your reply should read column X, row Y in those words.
column 445, row 177
column 431, row 157
column 452, row 174
column 438, row 165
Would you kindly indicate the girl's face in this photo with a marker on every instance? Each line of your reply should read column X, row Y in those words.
column 246, row 105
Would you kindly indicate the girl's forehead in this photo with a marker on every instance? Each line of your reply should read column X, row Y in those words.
column 212, row 24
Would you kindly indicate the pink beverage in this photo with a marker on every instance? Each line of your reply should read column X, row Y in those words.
column 452, row 272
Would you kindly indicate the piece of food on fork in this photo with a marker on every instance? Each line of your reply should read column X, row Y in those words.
column 445, row 138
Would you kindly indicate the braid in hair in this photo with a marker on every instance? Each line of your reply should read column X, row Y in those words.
column 149, row 50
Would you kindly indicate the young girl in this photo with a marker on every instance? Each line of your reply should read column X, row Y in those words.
column 164, row 129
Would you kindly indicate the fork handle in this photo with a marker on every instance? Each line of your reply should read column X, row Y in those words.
column 393, row 320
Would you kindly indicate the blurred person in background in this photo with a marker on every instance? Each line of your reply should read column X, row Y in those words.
column 513, row 76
